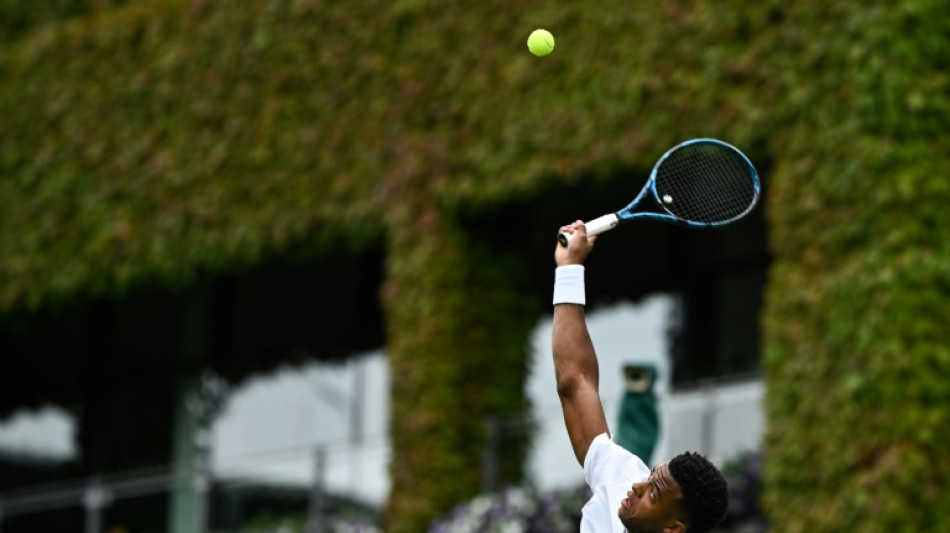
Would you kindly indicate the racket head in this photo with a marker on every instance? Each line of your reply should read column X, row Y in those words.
column 701, row 183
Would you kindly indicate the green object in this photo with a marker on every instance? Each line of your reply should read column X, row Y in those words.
column 639, row 421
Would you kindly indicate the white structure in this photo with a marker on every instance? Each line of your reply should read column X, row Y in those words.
column 272, row 427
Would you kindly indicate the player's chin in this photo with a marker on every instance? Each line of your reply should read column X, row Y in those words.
column 627, row 522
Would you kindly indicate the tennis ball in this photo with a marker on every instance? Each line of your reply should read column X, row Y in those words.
column 540, row 42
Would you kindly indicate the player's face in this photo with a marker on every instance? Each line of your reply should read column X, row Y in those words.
column 651, row 505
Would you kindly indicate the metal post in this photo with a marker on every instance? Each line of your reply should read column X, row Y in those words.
column 95, row 497
column 708, row 415
column 213, row 395
column 357, row 401
column 316, row 518
column 191, row 415
column 183, row 500
column 202, row 480
column 490, row 453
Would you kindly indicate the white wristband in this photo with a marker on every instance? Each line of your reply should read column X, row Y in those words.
column 569, row 285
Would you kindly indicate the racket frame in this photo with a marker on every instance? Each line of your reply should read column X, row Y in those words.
column 611, row 220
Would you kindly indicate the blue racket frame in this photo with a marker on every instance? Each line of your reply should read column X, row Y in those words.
column 628, row 213
column 609, row 221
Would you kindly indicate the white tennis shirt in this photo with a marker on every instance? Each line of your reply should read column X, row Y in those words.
column 610, row 471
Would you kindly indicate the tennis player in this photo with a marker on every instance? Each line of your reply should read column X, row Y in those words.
column 685, row 494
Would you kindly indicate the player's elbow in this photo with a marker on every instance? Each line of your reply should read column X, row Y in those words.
column 568, row 383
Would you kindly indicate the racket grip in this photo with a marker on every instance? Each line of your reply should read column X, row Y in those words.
column 594, row 227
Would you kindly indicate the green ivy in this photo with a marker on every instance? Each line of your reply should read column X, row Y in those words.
column 165, row 140
column 855, row 318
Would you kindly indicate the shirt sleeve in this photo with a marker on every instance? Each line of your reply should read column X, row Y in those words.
column 608, row 463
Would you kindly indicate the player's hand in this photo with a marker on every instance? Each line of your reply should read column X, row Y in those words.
column 578, row 248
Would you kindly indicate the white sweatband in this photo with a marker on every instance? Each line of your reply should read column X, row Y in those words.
column 569, row 285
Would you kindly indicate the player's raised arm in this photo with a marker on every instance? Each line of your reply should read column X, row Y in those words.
column 575, row 363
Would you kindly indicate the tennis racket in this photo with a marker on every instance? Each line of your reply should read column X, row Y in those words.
column 700, row 183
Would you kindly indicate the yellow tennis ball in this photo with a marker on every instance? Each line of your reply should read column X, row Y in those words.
column 540, row 42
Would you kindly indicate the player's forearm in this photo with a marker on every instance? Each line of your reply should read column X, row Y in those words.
column 575, row 362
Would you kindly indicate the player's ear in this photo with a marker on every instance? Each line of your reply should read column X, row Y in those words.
column 675, row 527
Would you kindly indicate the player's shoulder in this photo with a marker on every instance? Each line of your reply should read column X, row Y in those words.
column 598, row 446
column 608, row 462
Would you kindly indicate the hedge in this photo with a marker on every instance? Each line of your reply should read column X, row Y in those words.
column 855, row 324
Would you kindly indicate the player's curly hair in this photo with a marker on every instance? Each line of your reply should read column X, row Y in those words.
column 705, row 492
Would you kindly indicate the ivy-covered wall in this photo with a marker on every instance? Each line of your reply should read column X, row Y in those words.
column 166, row 140
column 20, row 18
column 857, row 347
column 458, row 320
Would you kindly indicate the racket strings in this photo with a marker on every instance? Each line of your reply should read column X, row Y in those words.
column 705, row 183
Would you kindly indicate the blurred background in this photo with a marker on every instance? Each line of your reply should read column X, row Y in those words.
column 315, row 432
column 286, row 265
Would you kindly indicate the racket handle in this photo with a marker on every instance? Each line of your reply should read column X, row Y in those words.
column 594, row 227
